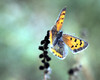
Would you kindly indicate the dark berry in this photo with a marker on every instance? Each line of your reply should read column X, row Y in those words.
column 41, row 67
column 48, row 33
column 46, row 38
column 42, row 42
column 46, row 71
column 41, row 56
column 48, row 58
column 43, row 61
column 41, row 48
column 45, row 55
column 45, row 47
column 71, row 72
column 46, row 44
column 46, row 65
column 45, row 52
column 48, row 41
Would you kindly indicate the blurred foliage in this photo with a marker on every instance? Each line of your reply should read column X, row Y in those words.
column 24, row 23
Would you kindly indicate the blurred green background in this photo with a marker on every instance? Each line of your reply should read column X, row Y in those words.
column 24, row 23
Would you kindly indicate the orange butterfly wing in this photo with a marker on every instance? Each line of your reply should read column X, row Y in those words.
column 56, row 53
column 56, row 28
column 74, row 43
column 60, row 19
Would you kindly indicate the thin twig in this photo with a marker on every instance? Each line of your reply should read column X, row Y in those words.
column 45, row 77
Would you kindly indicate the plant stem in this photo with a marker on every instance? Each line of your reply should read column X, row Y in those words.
column 45, row 77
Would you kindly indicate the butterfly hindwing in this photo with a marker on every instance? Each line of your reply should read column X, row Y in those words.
column 74, row 43
column 60, row 49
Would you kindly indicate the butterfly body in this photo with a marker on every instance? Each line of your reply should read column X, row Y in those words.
column 60, row 41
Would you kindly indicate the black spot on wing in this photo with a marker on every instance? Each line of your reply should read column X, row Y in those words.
column 75, row 40
column 76, row 46
column 61, row 22
column 70, row 38
column 59, row 56
column 79, row 49
column 80, row 42
column 72, row 46
column 75, row 50
column 63, row 14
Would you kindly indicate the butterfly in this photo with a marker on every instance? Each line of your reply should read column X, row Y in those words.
column 60, row 41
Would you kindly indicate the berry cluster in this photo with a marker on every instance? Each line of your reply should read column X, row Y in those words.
column 73, row 70
column 44, row 47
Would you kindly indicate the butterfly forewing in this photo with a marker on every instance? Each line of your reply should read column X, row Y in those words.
column 74, row 43
column 60, row 19
column 56, row 28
